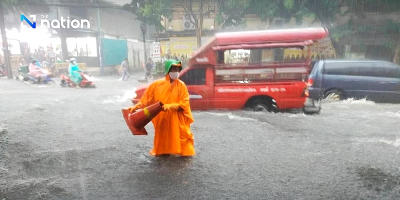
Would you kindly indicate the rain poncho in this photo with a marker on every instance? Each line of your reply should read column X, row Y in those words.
column 172, row 128
column 35, row 71
column 74, row 73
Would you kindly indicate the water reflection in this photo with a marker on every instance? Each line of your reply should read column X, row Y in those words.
column 162, row 175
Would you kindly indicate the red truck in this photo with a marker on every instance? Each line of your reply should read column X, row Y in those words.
column 247, row 69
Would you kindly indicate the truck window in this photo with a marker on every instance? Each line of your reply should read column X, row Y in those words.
column 195, row 76
column 236, row 56
column 245, row 56
column 243, row 75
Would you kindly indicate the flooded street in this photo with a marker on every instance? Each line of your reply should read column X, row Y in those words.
column 63, row 143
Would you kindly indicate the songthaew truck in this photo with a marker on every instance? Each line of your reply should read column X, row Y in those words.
column 247, row 69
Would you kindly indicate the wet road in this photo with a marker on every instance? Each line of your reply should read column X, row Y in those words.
column 63, row 143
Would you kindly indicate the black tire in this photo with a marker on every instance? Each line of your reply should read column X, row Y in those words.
column 259, row 106
column 263, row 105
column 334, row 95
column 62, row 83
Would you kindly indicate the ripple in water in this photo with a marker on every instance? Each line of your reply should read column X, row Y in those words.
column 127, row 96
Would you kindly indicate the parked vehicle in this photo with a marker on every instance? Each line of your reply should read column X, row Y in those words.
column 340, row 79
column 247, row 69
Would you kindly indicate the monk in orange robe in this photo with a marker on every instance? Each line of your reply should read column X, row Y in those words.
column 172, row 125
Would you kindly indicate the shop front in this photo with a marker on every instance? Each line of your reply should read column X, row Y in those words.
column 81, row 45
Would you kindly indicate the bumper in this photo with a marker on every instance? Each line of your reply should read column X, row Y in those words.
column 310, row 107
column 314, row 93
column 293, row 103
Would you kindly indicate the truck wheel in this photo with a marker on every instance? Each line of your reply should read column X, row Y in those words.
column 260, row 105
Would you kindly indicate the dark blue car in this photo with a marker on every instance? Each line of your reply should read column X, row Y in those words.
column 378, row 81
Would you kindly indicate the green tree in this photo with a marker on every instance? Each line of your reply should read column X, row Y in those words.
column 5, row 4
column 154, row 11
column 268, row 10
column 327, row 11
column 231, row 13
column 197, row 9
column 358, row 9
column 151, row 12
column 389, row 28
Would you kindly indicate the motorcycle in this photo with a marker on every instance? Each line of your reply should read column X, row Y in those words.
column 25, row 76
column 87, row 81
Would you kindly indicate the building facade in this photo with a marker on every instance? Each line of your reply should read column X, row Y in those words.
column 113, row 34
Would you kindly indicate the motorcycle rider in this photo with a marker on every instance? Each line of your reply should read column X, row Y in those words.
column 36, row 71
column 74, row 72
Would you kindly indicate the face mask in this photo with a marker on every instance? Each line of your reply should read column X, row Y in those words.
column 174, row 75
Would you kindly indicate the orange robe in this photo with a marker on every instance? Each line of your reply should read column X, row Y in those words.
column 172, row 128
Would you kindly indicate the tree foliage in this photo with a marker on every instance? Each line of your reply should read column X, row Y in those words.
column 198, row 9
column 151, row 12
column 268, row 10
column 7, row 3
column 231, row 12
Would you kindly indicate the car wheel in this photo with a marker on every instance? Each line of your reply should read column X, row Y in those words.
column 335, row 95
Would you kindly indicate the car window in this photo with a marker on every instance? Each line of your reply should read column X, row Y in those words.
column 386, row 70
column 366, row 69
column 341, row 68
column 313, row 66
column 196, row 76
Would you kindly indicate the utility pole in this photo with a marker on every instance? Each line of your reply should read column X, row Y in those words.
column 99, row 42
column 6, row 50
column 143, row 27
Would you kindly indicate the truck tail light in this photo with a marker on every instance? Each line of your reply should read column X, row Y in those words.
column 306, row 93
column 310, row 82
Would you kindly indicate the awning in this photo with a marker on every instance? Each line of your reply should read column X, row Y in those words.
column 265, row 45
